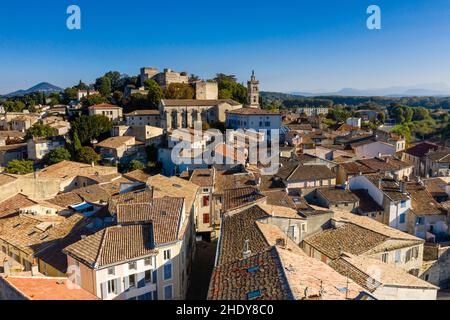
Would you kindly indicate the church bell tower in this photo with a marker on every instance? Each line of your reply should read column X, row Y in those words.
column 253, row 92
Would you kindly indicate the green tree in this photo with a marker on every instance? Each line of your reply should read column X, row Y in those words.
column 402, row 130
column 40, row 130
column 136, row 165
column 230, row 89
column 117, row 97
column 114, row 79
column 137, row 101
column 70, row 94
column 19, row 167
column 179, row 91
column 381, row 117
column 155, row 93
column 13, row 106
column 82, row 86
column 93, row 99
column 88, row 155
column 56, row 156
column 103, row 85
column 420, row 114
column 408, row 114
column 88, row 128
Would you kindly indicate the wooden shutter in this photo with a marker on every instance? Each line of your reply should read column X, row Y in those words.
column 104, row 289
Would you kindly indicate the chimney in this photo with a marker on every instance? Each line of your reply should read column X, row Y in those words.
column 403, row 187
column 93, row 164
column 379, row 184
column 280, row 242
column 247, row 251
column 34, row 270
column 7, row 267
column 379, row 155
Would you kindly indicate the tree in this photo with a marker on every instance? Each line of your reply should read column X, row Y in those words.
column 230, row 89
column 40, row 130
column 57, row 155
column 402, row 130
column 19, row 167
column 339, row 115
column 70, row 94
column 93, row 99
column 117, row 97
column 13, row 106
column 155, row 93
column 397, row 113
column 408, row 114
column 88, row 128
column 137, row 101
column 179, row 91
column 82, row 86
column 114, row 79
column 88, row 155
column 420, row 114
column 136, row 165
column 193, row 78
column 103, row 85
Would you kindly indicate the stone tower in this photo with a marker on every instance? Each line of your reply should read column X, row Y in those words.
column 253, row 92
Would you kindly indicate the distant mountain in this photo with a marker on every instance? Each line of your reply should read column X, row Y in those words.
column 433, row 89
column 41, row 87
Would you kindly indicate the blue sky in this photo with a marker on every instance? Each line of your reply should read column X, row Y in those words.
column 293, row 45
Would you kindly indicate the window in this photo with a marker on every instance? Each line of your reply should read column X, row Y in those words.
column 132, row 281
column 420, row 221
column 167, row 271
column 206, row 218
column 132, row 265
column 205, row 201
column 385, row 257
column 148, row 261
column 168, row 294
column 148, row 276
column 167, row 254
column 402, row 218
column 254, row 295
column 111, row 271
column 155, row 276
column 146, row 296
column 398, row 256
column 291, row 231
column 408, row 255
column 111, row 286
column 403, row 204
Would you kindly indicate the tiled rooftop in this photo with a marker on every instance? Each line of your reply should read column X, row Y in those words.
column 238, row 228
column 239, row 197
column 40, row 288
column 113, row 245
column 311, row 173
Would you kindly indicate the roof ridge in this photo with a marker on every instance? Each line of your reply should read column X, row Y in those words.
column 100, row 250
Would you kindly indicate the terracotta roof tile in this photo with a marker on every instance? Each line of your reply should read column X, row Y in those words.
column 113, row 245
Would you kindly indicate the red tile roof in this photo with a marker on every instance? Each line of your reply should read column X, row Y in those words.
column 48, row 288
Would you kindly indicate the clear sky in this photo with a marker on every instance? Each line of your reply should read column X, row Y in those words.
column 293, row 45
